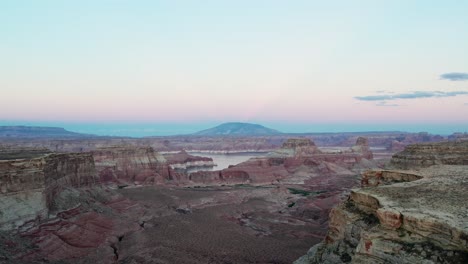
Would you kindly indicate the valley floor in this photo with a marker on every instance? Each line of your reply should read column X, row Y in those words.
column 242, row 224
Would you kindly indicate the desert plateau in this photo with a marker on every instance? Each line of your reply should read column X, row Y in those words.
column 233, row 132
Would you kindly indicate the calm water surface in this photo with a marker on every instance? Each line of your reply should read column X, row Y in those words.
column 224, row 160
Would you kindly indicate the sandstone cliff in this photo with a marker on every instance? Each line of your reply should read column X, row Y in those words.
column 53, row 208
column 403, row 216
column 428, row 154
column 182, row 161
column 130, row 165
column 28, row 186
column 297, row 147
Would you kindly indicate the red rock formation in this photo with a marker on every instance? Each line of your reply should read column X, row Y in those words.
column 131, row 165
column 53, row 202
column 79, row 231
column 182, row 160
column 257, row 171
column 403, row 216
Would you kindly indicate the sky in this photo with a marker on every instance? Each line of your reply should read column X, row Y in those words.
column 126, row 67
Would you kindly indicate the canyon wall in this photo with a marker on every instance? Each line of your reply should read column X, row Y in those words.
column 28, row 186
column 130, row 164
column 425, row 155
column 403, row 216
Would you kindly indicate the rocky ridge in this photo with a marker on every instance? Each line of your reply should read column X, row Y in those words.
column 403, row 216
column 424, row 155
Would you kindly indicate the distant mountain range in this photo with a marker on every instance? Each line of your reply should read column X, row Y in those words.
column 38, row 132
column 226, row 129
column 238, row 129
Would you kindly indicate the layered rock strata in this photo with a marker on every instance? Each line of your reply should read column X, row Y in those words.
column 425, row 155
column 129, row 165
column 86, row 222
column 183, row 161
column 28, row 186
column 403, row 216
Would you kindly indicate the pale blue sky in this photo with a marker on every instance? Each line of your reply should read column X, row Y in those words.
column 205, row 62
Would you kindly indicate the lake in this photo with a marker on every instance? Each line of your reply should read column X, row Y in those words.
column 224, row 160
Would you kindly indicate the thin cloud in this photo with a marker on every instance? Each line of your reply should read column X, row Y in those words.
column 384, row 92
column 455, row 76
column 384, row 103
column 411, row 95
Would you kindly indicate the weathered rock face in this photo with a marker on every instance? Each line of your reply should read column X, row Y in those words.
column 428, row 154
column 53, row 208
column 68, row 170
column 362, row 146
column 129, row 165
column 297, row 147
column 182, row 161
column 85, row 222
column 385, row 177
column 28, row 186
column 402, row 216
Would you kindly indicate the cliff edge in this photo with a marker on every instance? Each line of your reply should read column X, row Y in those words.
column 403, row 215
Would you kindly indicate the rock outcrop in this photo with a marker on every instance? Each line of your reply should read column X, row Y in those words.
column 295, row 147
column 428, row 154
column 362, row 147
column 183, row 161
column 85, row 222
column 53, row 208
column 130, row 165
column 28, row 185
column 403, row 216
